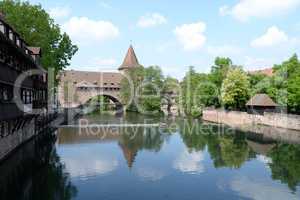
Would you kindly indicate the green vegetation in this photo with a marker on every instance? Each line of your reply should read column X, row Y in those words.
column 229, row 86
column 101, row 104
column 36, row 27
column 226, row 85
column 285, row 164
column 146, row 88
column 284, row 85
column 235, row 89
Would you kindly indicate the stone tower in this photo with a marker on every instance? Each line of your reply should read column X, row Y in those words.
column 130, row 60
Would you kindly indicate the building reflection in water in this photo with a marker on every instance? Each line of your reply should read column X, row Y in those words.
column 34, row 172
column 226, row 150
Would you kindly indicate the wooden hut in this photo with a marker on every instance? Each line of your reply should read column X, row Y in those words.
column 261, row 103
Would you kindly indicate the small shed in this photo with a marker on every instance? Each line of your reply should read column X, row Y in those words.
column 261, row 103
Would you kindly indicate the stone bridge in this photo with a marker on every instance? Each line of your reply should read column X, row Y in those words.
column 76, row 88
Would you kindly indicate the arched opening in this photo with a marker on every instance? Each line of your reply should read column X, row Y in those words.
column 102, row 103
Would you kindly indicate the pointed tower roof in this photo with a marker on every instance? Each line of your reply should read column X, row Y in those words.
column 129, row 154
column 130, row 60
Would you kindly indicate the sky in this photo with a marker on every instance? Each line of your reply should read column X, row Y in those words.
column 177, row 34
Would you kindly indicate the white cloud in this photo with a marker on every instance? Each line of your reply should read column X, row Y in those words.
column 86, row 31
column 224, row 10
column 272, row 37
column 264, row 159
column 151, row 20
column 224, row 50
column 245, row 9
column 260, row 190
column 190, row 162
column 104, row 4
column 191, row 36
column 150, row 174
column 59, row 12
column 90, row 166
column 106, row 62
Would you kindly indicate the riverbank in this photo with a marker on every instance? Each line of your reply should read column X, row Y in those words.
column 243, row 119
column 34, row 127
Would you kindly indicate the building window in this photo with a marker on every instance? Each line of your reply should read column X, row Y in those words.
column 2, row 28
column 11, row 35
column 4, row 129
column 5, row 93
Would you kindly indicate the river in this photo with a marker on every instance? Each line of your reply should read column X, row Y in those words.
column 151, row 158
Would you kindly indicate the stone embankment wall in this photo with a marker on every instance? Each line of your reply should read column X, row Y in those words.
column 12, row 141
column 237, row 119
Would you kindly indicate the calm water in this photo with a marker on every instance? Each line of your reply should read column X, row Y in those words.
column 180, row 159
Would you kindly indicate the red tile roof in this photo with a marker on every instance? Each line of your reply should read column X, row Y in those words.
column 267, row 72
column 130, row 60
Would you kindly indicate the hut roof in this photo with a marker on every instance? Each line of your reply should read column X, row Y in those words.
column 261, row 100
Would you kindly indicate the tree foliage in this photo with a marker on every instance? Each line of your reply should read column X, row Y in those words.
column 284, row 86
column 36, row 27
column 219, row 70
column 144, row 87
column 285, row 164
column 235, row 89
column 197, row 92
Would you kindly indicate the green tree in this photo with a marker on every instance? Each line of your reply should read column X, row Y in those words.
column 134, row 78
column 235, row 89
column 144, row 87
column 287, row 84
column 219, row 70
column 150, row 92
column 36, row 27
column 284, row 86
column 170, row 89
column 191, row 94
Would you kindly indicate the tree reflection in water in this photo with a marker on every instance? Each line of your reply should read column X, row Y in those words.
column 34, row 172
column 233, row 150
column 285, row 164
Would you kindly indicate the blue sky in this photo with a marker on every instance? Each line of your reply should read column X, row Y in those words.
column 177, row 34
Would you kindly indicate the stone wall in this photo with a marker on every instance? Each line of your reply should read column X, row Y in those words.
column 12, row 141
column 236, row 119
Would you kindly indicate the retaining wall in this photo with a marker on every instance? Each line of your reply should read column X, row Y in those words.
column 235, row 118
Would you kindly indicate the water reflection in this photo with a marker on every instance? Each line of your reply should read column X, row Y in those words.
column 177, row 162
column 150, row 173
column 190, row 162
column 35, row 172
column 87, row 165
column 260, row 190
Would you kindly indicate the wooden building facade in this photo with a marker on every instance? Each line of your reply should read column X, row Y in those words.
column 261, row 103
column 16, row 57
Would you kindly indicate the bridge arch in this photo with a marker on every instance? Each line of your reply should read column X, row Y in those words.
column 85, row 99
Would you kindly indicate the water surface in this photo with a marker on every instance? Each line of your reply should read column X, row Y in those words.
column 180, row 159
